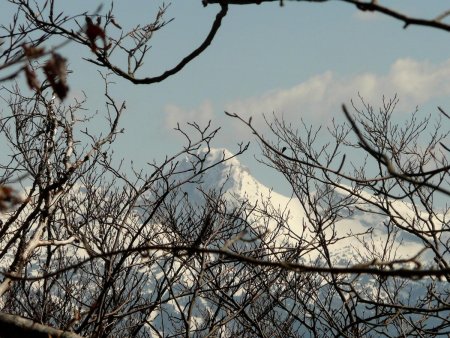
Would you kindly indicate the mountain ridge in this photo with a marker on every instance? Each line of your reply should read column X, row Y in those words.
column 236, row 181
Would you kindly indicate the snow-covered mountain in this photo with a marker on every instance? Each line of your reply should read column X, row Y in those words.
column 360, row 234
column 230, row 176
column 217, row 295
column 237, row 182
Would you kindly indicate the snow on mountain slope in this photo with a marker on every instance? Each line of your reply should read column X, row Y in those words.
column 362, row 232
column 236, row 181
column 230, row 176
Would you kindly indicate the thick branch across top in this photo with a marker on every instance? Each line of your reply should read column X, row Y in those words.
column 372, row 6
column 148, row 80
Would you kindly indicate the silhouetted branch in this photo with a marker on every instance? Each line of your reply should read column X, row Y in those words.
column 372, row 6
column 17, row 326
column 103, row 61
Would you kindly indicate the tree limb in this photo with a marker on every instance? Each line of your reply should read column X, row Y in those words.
column 17, row 326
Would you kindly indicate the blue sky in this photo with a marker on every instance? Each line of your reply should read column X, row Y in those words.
column 302, row 60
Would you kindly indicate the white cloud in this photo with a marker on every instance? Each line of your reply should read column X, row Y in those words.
column 420, row 81
column 176, row 114
column 321, row 96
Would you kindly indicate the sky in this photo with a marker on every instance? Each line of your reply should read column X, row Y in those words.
column 300, row 61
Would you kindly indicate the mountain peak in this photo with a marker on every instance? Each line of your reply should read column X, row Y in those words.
column 214, row 155
column 226, row 175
